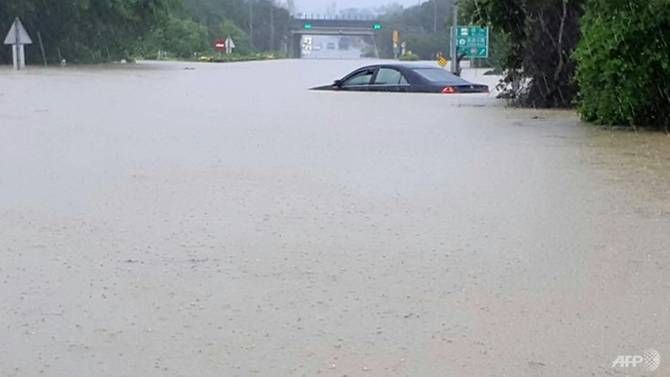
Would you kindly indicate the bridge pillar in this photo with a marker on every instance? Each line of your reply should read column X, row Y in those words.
column 295, row 48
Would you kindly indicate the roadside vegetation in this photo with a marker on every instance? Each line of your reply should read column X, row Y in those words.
column 610, row 58
column 83, row 31
column 409, row 57
column 424, row 28
column 110, row 30
column 623, row 63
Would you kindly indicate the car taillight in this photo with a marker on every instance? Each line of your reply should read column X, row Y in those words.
column 449, row 90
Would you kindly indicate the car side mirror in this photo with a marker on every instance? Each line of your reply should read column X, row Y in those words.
column 337, row 83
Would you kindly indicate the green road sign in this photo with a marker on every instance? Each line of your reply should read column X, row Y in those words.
column 473, row 41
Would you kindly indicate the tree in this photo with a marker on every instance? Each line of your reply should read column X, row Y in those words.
column 542, row 35
column 104, row 30
column 264, row 15
column 177, row 36
column 424, row 27
column 84, row 30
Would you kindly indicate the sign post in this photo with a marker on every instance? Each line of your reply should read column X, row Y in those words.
column 230, row 45
column 18, row 37
column 220, row 45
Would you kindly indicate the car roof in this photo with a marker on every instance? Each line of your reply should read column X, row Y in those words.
column 407, row 69
column 410, row 65
column 401, row 66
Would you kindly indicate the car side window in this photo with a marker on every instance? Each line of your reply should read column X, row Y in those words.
column 390, row 76
column 360, row 78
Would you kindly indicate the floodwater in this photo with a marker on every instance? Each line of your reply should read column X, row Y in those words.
column 183, row 219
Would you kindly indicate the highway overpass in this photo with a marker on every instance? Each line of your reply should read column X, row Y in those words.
column 301, row 27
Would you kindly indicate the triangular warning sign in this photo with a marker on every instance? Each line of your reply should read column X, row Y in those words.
column 18, row 35
column 229, row 42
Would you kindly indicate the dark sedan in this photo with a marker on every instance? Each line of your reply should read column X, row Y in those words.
column 404, row 78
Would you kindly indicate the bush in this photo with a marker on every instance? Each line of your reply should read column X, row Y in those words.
column 409, row 57
column 179, row 37
column 427, row 46
column 229, row 29
column 624, row 63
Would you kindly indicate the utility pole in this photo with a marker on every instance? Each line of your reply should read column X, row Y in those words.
column 434, row 16
column 251, row 24
column 272, row 25
column 455, row 69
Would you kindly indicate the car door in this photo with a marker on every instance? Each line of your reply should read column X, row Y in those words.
column 389, row 80
column 359, row 80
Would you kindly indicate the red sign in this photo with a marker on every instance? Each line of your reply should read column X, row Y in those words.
column 220, row 45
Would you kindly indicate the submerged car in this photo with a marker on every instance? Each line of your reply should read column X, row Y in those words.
column 404, row 78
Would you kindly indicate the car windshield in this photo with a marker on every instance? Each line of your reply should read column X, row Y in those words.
column 439, row 75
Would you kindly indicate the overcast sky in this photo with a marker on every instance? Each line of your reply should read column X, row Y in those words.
column 319, row 6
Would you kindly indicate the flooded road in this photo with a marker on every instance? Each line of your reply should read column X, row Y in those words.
column 183, row 219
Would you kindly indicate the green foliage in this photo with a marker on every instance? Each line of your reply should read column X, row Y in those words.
column 177, row 37
column 624, row 63
column 540, row 37
column 424, row 27
column 508, row 17
column 409, row 57
column 236, row 18
column 87, row 31
column 238, row 57
column 499, row 42
column 83, row 30
column 430, row 16
column 241, row 38
column 427, row 47
column 499, row 49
